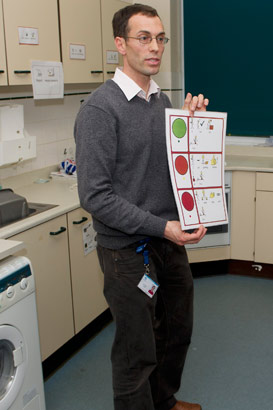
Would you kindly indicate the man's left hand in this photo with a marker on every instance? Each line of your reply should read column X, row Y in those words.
column 196, row 103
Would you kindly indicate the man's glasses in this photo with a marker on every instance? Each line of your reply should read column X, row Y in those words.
column 148, row 39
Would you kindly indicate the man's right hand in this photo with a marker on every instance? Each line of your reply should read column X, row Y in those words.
column 174, row 233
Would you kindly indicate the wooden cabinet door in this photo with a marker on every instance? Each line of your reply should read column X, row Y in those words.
column 264, row 227
column 50, row 260
column 108, row 9
column 80, row 25
column 41, row 17
column 86, row 275
column 3, row 65
column 243, row 215
column 264, row 220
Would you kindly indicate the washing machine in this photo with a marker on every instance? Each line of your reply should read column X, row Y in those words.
column 21, row 379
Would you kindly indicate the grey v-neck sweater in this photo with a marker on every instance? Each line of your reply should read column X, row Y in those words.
column 122, row 166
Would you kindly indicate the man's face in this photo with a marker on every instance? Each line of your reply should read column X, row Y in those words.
column 142, row 60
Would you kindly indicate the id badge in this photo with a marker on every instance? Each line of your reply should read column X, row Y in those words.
column 148, row 286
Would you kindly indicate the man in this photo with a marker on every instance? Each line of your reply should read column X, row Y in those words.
column 124, row 182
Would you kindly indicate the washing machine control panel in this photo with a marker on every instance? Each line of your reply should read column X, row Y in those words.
column 16, row 280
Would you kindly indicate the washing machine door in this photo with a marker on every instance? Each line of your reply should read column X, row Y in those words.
column 12, row 364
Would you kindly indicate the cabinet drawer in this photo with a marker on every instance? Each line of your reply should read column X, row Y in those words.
column 264, row 181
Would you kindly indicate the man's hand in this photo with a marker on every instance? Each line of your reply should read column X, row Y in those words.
column 174, row 233
column 195, row 103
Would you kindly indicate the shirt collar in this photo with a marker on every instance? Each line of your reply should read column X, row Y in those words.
column 130, row 87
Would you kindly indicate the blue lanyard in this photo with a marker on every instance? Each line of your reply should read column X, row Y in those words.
column 141, row 248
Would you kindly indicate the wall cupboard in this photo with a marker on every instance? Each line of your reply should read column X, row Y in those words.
column 3, row 64
column 69, row 284
column 108, row 8
column 83, row 40
column 37, row 23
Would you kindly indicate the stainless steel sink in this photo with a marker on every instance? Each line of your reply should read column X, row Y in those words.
column 14, row 207
column 36, row 208
column 33, row 209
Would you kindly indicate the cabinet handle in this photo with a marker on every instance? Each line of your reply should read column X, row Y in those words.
column 62, row 229
column 96, row 72
column 110, row 72
column 81, row 221
column 22, row 71
column 2, row 71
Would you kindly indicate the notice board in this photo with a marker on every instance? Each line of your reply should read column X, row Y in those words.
column 228, row 56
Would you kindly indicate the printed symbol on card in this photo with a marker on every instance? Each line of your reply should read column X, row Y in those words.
column 187, row 201
column 213, row 161
column 210, row 126
column 50, row 72
column 179, row 128
column 181, row 165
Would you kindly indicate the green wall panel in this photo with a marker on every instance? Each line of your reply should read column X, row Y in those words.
column 229, row 58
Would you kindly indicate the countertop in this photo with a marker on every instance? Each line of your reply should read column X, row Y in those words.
column 249, row 158
column 245, row 163
column 8, row 247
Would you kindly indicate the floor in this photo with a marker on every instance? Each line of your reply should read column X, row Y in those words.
column 230, row 361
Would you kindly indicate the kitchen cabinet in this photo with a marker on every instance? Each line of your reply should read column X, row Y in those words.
column 86, row 275
column 108, row 9
column 81, row 42
column 86, row 40
column 264, row 220
column 88, row 49
column 37, row 21
column 47, row 249
column 3, row 64
column 69, row 284
column 243, row 215
column 209, row 254
column 252, row 223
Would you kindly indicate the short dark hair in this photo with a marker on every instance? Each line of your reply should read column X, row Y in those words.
column 122, row 16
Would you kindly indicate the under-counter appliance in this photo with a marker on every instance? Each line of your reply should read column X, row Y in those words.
column 21, row 380
column 218, row 235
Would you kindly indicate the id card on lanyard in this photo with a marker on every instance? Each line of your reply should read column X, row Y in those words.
column 146, row 284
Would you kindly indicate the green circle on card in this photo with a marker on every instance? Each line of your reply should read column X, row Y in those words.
column 179, row 128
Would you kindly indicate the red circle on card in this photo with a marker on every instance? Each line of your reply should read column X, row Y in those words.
column 181, row 165
column 187, row 201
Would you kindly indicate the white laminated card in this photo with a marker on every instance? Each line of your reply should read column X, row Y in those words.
column 196, row 155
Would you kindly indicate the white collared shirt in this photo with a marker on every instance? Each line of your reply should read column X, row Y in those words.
column 130, row 87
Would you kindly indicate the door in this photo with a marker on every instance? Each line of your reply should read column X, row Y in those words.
column 37, row 23
column 80, row 26
column 12, row 368
column 86, row 275
column 3, row 66
column 264, row 226
column 108, row 9
column 47, row 248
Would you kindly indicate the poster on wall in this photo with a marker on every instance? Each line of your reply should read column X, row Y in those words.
column 195, row 147
column 47, row 79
